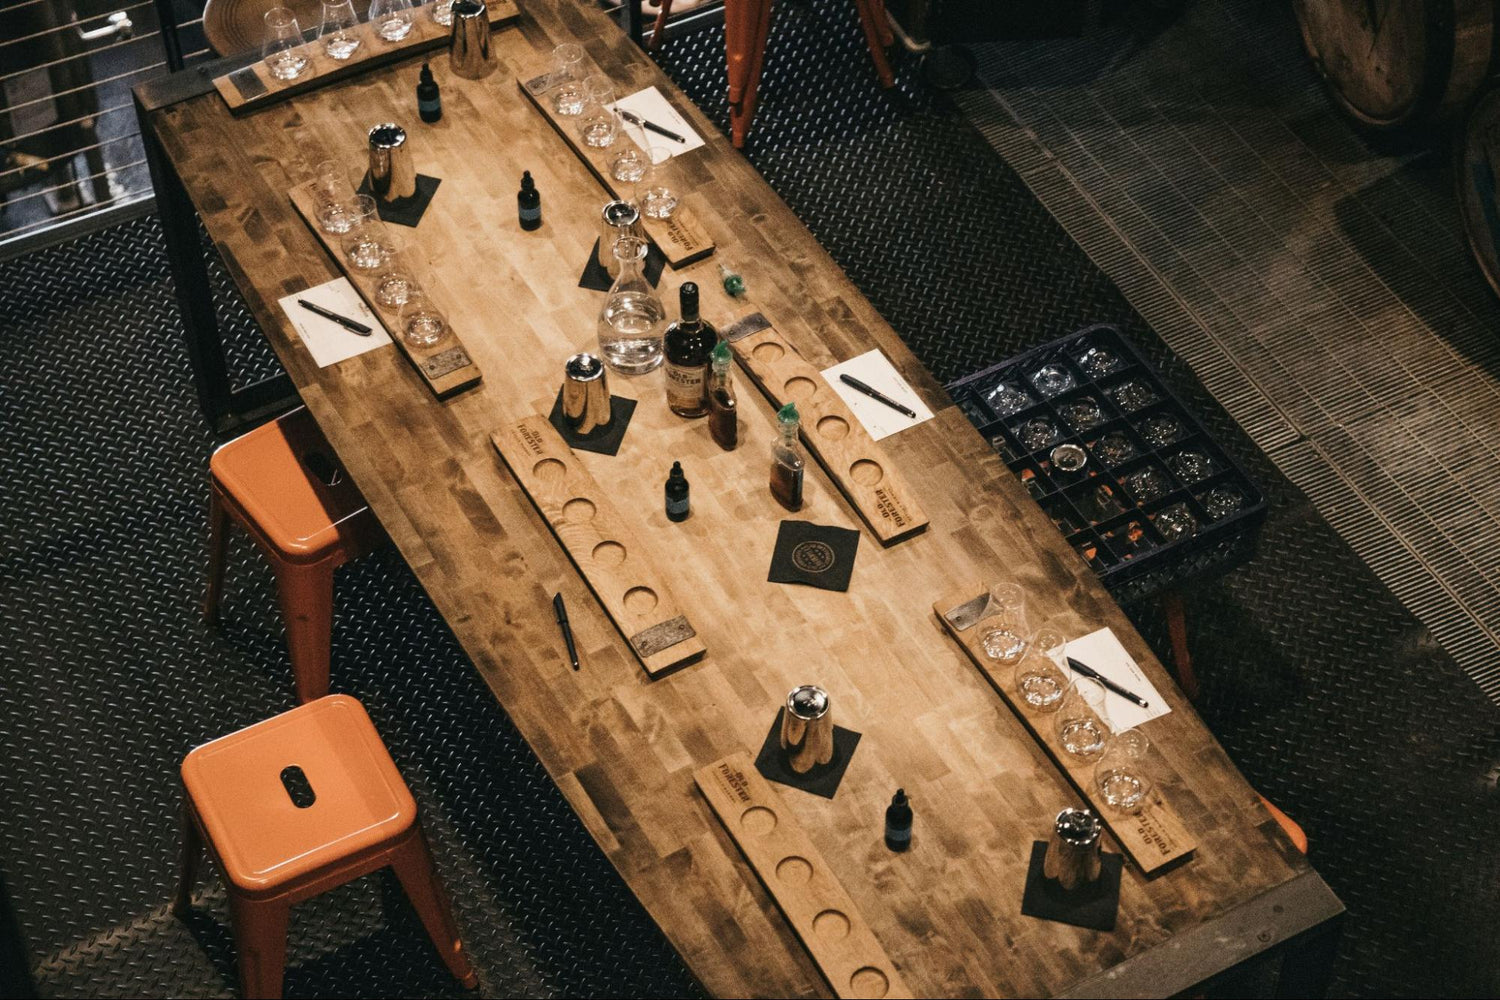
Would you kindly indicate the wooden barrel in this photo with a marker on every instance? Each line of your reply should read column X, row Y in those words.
column 1476, row 169
column 1390, row 64
column 235, row 26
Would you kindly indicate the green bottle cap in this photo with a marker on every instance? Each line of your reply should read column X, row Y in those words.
column 788, row 414
column 721, row 355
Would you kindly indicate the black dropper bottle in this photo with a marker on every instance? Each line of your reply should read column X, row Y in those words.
column 529, row 201
column 677, row 494
column 429, row 100
column 898, row 822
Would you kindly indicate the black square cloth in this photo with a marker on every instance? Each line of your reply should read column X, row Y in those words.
column 1093, row 905
column 815, row 554
column 596, row 277
column 604, row 440
column 405, row 211
column 822, row 779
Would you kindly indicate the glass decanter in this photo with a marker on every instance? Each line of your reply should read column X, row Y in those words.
column 630, row 324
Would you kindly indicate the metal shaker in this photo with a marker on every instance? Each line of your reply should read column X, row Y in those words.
column 807, row 728
column 392, row 174
column 585, row 394
column 1073, row 852
column 616, row 220
column 469, row 43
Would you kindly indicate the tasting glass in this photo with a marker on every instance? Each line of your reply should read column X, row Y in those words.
column 422, row 322
column 1002, row 634
column 337, row 31
column 1123, row 774
column 597, row 124
column 1052, row 379
column 628, row 164
column 282, row 46
column 1006, row 399
column 658, row 195
column 442, row 12
column 364, row 244
column 394, row 282
column 391, row 18
column 1082, row 726
column 1041, row 678
column 567, row 79
column 334, row 196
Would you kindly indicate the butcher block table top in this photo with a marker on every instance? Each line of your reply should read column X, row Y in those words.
column 623, row 747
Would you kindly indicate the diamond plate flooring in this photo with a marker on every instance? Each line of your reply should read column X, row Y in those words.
column 1333, row 699
column 1322, row 289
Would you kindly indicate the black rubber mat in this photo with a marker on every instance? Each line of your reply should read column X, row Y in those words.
column 1316, row 681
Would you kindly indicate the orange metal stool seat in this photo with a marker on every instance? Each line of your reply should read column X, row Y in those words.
column 1288, row 825
column 283, row 485
column 297, row 805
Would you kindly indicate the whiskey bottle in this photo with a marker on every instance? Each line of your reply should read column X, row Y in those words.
column 689, row 342
column 723, row 412
column 786, row 460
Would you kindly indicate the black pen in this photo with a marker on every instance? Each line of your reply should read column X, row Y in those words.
column 636, row 119
column 567, row 630
column 343, row 321
column 1088, row 671
column 876, row 394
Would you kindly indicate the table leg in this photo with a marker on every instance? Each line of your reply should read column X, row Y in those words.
column 1307, row 960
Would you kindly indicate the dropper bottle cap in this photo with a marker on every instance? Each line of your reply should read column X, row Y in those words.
column 721, row 356
column 526, row 182
column 788, row 414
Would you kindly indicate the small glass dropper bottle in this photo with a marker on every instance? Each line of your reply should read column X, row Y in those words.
column 787, row 465
column 723, row 411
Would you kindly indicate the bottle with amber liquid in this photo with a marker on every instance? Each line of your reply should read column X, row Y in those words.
column 723, row 412
column 787, row 465
column 689, row 343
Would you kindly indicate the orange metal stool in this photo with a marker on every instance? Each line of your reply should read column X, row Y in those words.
column 1288, row 825
column 297, row 805
column 282, row 483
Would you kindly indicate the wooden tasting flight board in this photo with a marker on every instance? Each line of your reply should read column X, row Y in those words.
column 681, row 238
column 610, row 557
column 254, row 87
column 446, row 366
column 831, row 432
column 804, row 887
column 1153, row 838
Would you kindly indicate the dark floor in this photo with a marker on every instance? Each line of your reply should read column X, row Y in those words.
column 1318, row 683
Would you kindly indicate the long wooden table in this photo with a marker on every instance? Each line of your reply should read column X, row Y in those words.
column 624, row 748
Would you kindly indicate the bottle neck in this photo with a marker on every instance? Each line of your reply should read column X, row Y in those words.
column 789, row 433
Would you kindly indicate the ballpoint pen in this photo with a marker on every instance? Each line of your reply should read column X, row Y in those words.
column 561, row 610
column 876, row 394
column 343, row 321
column 636, row 119
column 1088, row 671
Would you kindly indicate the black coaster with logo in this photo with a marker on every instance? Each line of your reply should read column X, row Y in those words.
column 596, row 277
column 821, row 779
column 1093, row 905
column 815, row 554
column 604, row 440
column 404, row 211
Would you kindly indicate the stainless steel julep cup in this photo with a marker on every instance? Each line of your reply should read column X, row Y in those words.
column 1073, row 852
column 469, row 44
column 807, row 728
column 617, row 219
column 392, row 174
column 585, row 394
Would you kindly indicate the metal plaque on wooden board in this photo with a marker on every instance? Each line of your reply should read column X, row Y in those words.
column 444, row 362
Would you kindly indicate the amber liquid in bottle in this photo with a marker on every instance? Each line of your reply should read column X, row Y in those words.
column 723, row 411
column 786, row 460
column 689, row 343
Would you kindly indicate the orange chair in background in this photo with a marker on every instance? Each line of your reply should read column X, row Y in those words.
column 1288, row 825
column 294, row 806
column 282, row 484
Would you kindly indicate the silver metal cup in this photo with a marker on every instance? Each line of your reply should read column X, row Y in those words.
column 807, row 728
column 617, row 219
column 392, row 174
column 585, row 394
column 469, row 44
column 1073, row 852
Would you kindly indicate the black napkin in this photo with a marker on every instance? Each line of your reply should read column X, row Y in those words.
column 1091, row 905
column 815, row 554
column 405, row 211
column 821, row 779
column 596, row 277
column 605, row 440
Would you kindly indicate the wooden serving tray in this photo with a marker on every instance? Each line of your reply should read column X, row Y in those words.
column 254, row 87
column 804, row 887
column 446, row 366
column 681, row 239
column 830, row 430
column 617, row 566
column 1153, row 838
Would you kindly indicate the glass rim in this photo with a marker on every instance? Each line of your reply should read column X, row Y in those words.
column 279, row 17
column 568, row 51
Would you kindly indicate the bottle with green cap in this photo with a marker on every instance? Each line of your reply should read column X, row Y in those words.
column 733, row 283
column 723, row 412
column 787, row 465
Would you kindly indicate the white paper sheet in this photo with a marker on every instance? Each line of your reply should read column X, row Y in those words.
column 327, row 341
column 655, row 108
column 1102, row 651
column 876, row 371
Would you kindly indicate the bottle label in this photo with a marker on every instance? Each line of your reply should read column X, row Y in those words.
column 429, row 106
column 685, row 385
column 531, row 214
column 896, row 836
column 677, row 506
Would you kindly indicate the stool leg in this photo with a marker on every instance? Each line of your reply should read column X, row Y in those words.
column 187, row 866
column 412, row 862
column 259, row 944
column 218, row 549
column 868, row 21
column 306, row 594
column 659, row 30
column 1182, row 659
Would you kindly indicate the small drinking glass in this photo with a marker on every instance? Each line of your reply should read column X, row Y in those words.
column 1123, row 774
column 1133, row 395
column 658, row 198
column 1041, row 678
column 1161, row 430
column 1148, row 484
column 567, row 79
column 1221, row 501
column 422, row 322
column 1003, row 632
column 1098, row 361
column 391, row 18
column 337, row 31
column 334, row 198
column 393, row 279
column 1114, row 448
column 366, row 243
column 629, row 163
column 282, row 48
column 1081, row 414
column 1006, row 399
column 442, row 12
column 1082, row 726
column 1175, row 521
column 1192, row 466
column 1052, row 379
column 1036, row 433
